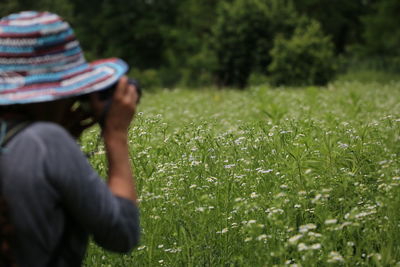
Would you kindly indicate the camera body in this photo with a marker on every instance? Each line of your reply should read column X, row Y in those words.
column 107, row 94
column 106, row 97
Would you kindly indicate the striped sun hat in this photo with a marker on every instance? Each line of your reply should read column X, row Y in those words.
column 41, row 60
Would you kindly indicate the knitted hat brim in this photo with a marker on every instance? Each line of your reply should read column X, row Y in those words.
column 78, row 80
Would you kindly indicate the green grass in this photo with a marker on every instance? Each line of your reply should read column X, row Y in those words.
column 368, row 76
column 265, row 177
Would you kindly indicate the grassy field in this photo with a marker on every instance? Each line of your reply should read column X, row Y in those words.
column 263, row 177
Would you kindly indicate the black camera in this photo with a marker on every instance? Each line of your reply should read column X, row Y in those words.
column 107, row 94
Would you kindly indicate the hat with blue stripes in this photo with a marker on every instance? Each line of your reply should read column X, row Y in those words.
column 41, row 60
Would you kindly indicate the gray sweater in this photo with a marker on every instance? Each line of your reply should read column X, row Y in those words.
column 57, row 200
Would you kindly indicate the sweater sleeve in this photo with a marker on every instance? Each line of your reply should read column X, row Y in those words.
column 113, row 221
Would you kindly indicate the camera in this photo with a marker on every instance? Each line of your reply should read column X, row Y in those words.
column 106, row 97
column 107, row 94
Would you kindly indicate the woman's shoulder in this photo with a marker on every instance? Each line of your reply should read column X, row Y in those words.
column 44, row 134
column 47, row 129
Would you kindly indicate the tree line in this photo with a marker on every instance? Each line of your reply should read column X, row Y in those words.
column 198, row 43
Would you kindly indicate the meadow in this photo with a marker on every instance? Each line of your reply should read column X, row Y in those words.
column 265, row 177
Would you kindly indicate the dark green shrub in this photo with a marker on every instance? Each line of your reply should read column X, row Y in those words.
column 382, row 34
column 149, row 79
column 306, row 58
column 187, row 55
column 198, row 72
column 243, row 34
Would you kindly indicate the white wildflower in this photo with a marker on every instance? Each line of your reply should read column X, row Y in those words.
column 239, row 140
column 377, row 256
column 313, row 234
column 305, row 228
column 261, row 237
column 229, row 166
column 281, row 194
column 343, row 225
column 334, row 257
column 293, row 240
column 254, row 195
column 195, row 163
column 302, row 247
column 259, row 170
column 330, row 221
column 211, row 179
column 200, row 209
column 173, row 250
column 315, row 246
column 316, row 198
column 342, row 145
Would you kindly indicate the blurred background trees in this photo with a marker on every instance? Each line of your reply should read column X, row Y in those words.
column 243, row 37
column 199, row 43
column 382, row 33
column 305, row 58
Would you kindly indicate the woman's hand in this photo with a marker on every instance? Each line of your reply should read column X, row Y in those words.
column 115, row 134
column 121, row 111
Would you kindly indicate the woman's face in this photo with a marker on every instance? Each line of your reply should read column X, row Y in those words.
column 72, row 117
column 65, row 112
column 54, row 111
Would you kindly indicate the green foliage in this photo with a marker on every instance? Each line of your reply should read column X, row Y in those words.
column 187, row 43
column 149, row 79
column 305, row 59
column 340, row 19
column 199, row 43
column 9, row 6
column 243, row 36
column 132, row 30
column 62, row 7
column 382, row 32
column 366, row 76
column 381, row 69
column 265, row 177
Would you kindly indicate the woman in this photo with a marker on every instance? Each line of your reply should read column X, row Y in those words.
column 51, row 198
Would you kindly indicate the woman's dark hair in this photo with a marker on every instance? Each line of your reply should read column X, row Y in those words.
column 7, row 232
column 6, row 235
column 12, row 109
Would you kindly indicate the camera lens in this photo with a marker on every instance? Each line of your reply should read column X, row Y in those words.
column 137, row 86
